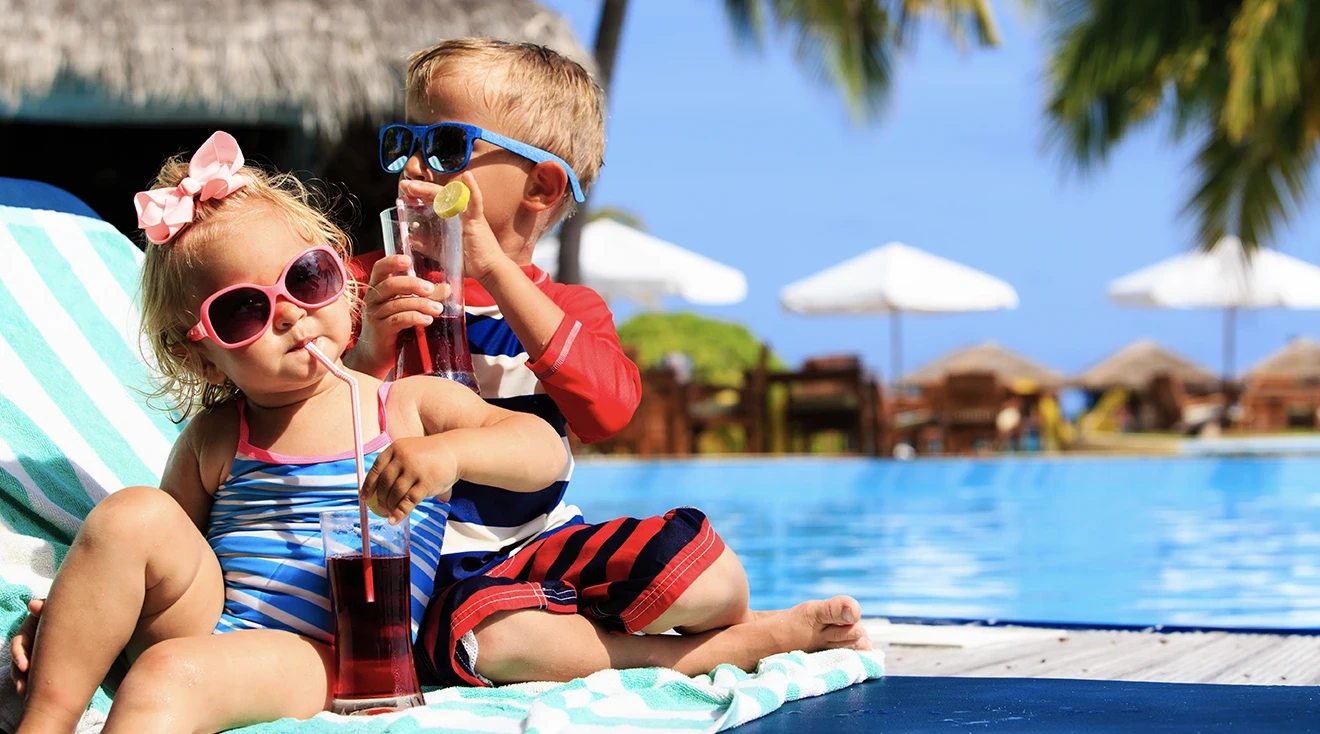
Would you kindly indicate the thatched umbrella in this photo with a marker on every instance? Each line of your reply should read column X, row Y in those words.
column 1136, row 364
column 1007, row 366
column 111, row 88
column 1298, row 360
column 320, row 64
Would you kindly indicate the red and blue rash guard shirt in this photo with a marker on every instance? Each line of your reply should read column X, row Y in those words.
column 584, row 381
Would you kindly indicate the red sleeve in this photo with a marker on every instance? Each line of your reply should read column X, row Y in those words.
column 584, row 369
column 359, row 269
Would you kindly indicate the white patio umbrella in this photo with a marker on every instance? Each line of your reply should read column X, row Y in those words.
column 895, row 278
column 1224, row 277
column 617, row 260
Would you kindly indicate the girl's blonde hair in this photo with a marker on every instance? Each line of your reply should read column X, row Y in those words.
column 167, row 289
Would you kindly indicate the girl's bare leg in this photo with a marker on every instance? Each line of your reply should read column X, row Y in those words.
column 219, row 682
column 139, row 572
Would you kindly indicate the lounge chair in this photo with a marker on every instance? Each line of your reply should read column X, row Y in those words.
column 659, row 425
column 830, row 394
column 968, row 406
column 25, row 194
column 1168, row 407
column 713, row 407
column 1275, row 404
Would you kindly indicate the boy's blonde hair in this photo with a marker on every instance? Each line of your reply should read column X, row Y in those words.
column 539, row 96
column 167, row 289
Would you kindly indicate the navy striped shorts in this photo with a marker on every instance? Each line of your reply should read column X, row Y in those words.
column 624, row 574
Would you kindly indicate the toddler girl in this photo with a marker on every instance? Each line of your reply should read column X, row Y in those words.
column 242, row 272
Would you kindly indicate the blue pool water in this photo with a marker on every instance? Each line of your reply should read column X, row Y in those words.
column 1230, row 542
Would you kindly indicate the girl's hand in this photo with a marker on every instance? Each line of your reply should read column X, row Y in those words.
column 20, row 647
column 394, row 301
column 407, row 472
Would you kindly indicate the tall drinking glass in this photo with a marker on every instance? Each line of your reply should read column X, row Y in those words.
column 373, row 640
column 435, row 245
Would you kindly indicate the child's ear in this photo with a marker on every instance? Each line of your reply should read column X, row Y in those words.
column 546, row 186
column 197, row 361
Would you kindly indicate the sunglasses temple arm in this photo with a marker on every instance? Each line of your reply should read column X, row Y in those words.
column 536, row 155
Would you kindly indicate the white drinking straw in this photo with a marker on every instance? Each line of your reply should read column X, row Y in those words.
column 367, row 576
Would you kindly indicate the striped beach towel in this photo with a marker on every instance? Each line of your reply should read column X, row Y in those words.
column 640, row 700
column 75, row 426
column 75, row 423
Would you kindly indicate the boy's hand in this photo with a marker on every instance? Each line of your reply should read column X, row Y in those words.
column 20, row 647
column 389, row 307
column 407, row 472
column 482, row 254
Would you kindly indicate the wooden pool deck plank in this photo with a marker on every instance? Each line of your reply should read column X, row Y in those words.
column 1173, row 657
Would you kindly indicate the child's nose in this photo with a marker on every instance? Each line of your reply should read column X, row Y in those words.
column 417, row 170
column 287, row 314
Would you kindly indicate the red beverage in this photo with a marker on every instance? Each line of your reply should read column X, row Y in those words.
column 446, row 347
column 373, row 641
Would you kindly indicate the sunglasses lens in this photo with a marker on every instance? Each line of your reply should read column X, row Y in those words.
column 315, row 279
column 395, row 147
column 239, row 314
column 446, row 149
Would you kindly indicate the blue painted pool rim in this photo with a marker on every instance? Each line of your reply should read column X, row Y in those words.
column 1037, row 624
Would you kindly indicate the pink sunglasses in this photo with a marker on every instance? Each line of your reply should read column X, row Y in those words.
column 236, row 316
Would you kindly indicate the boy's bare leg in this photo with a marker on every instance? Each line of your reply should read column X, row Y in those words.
column 218, row 682
column 717, row 598
column 138, row 572
column 569, row 646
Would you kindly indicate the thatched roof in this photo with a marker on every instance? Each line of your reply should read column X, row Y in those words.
column 318, row 63
column 1133, row 367
column 988, row 357
column 1299, row 359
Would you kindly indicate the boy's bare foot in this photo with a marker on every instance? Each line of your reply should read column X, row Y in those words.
column 817, row 625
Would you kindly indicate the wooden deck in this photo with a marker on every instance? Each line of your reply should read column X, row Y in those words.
column 1022, row 652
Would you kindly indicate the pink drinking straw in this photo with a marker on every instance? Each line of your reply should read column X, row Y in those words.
column 423, row 348
column 367, row 576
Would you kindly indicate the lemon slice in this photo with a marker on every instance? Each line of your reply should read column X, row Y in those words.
column 452, row 199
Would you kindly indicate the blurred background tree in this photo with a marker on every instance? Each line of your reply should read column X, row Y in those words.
column 850, row 44
column 720, row 351
column 1235, row 76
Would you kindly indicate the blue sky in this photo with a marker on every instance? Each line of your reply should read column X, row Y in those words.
column 708, row 140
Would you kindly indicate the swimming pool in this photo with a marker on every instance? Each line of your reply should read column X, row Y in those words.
column 1220, row 542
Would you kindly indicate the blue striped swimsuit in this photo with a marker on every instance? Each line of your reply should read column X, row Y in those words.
column 265, row 529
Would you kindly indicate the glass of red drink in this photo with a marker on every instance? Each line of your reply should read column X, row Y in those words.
column 435, row 245
column 373, row 639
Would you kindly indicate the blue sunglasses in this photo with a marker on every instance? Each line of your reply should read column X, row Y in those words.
column 447, row 148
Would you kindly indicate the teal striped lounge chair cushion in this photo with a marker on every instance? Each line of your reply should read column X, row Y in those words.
column 74, row 423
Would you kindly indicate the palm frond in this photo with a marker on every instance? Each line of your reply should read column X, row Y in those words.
column 746, row 20
column 1265, row 40
column 1113, row 64
column 853, row 45
column 1250, row 187
column 960, row 19
column 1237, row 74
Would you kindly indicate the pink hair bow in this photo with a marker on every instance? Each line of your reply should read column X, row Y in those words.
column 213, row 173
